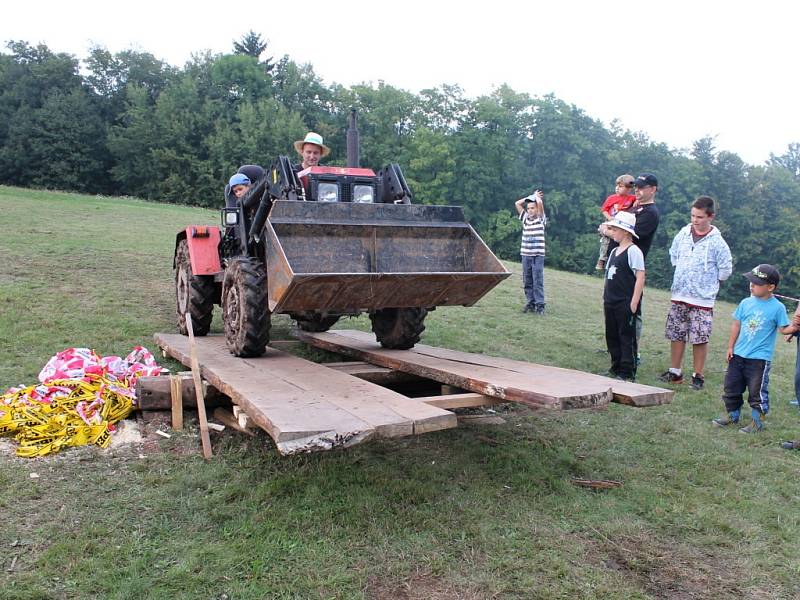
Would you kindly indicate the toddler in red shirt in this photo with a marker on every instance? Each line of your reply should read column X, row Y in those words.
column 622, row 199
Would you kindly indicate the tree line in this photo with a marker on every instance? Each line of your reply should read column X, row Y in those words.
column 128, row 124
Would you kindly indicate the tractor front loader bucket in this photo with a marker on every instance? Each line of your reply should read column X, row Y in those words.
column 346, row 256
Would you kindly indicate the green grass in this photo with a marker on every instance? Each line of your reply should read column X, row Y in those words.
column 702, row 512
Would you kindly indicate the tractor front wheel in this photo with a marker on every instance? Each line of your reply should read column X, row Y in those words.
column 398, row 328
column 194, row 294
column 245, row 313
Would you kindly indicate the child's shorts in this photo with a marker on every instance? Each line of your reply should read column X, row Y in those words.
column 688, row 323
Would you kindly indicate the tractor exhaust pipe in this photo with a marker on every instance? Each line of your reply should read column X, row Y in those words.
column 353, row 159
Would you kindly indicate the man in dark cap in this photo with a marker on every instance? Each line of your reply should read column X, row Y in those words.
column 647, row 219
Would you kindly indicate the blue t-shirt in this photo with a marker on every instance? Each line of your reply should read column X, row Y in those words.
column 760, row 320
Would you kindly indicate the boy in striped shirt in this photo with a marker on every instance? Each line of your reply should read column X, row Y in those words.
column 531, row 212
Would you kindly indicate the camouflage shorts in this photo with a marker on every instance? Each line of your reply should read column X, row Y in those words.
column 688, row 322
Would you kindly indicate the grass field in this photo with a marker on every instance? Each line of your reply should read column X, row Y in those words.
column 702, row 513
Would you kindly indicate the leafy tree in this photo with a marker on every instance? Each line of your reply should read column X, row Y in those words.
column 251, row 44
column 109, row 75
column 52, row 134
column 790, row 160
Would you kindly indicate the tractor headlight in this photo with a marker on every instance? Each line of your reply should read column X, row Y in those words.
column 229, row 217
column 328, row 192
column 363, row 194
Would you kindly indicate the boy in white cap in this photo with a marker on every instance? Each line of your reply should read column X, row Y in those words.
column 756, row 323
column 624, row 284
column 311, row 149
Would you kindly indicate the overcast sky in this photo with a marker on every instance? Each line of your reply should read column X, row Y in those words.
column 677, row 70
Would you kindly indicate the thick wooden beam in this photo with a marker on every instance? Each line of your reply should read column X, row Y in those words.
column 374, row 373
column 153, row 393
column 227, row 418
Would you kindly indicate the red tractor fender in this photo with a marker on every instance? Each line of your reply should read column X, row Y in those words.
column 203, row 243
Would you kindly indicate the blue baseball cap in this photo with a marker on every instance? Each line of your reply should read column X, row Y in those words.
column 239, row 179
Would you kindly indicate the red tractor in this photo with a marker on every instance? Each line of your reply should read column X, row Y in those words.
column 324, row 243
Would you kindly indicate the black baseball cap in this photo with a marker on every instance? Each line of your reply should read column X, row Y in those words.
column 646, row 179
column 763, row 275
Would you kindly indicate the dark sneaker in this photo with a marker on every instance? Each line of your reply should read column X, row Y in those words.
column 790, row 445
column 697, row 381
column 670, row 377
column 539, row 309
column 754, row 427
column 729, row 419
column 526, row 309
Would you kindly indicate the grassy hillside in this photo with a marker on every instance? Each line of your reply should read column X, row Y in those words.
column 470, row 513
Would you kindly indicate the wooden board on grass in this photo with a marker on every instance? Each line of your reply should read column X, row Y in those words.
column 536, row 385
column 304, row 406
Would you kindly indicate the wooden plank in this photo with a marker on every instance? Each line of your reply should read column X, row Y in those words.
column 177, row 402
column 467, row 400
column 295, row 399
column 624, row 392
column 283, row 410
column 511, row 380
column 464, row 370
column 153, row 393
column 198, row 390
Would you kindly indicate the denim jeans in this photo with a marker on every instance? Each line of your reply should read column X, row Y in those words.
column 751, row 374
column 533, row 280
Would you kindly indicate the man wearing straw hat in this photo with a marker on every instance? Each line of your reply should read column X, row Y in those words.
column 311, row 149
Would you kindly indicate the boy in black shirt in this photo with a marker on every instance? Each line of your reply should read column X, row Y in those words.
column 624, row 283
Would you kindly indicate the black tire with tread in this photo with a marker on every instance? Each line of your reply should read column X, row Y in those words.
column 245, row 312
column 314, row 321
column 194, row 294
column 398, row 328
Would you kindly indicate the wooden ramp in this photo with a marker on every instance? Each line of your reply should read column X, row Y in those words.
column 511, row 380
column 304, row 406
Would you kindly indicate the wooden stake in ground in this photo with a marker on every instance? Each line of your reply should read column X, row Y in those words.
column 198, row 390
column 176, row 393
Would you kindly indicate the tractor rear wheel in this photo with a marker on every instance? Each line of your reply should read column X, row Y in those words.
column 245, row 313
column 398, row 328
column 314, row 321
column 194, row 294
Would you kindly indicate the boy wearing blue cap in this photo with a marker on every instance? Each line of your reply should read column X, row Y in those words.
column 239, row 183
column 757, row 321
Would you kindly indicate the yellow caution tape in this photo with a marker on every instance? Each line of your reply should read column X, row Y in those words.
column 66, row 412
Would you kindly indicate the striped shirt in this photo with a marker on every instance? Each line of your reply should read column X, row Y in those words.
column 532, row 235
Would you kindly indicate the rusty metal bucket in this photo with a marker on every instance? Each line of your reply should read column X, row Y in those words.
column 340, row 257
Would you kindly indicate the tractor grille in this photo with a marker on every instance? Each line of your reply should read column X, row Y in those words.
column 347, row 192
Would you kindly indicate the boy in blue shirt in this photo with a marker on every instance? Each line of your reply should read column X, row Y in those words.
column 756, row 323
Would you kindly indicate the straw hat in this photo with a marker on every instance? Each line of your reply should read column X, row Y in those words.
column 312, row 138
column 625, row 221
